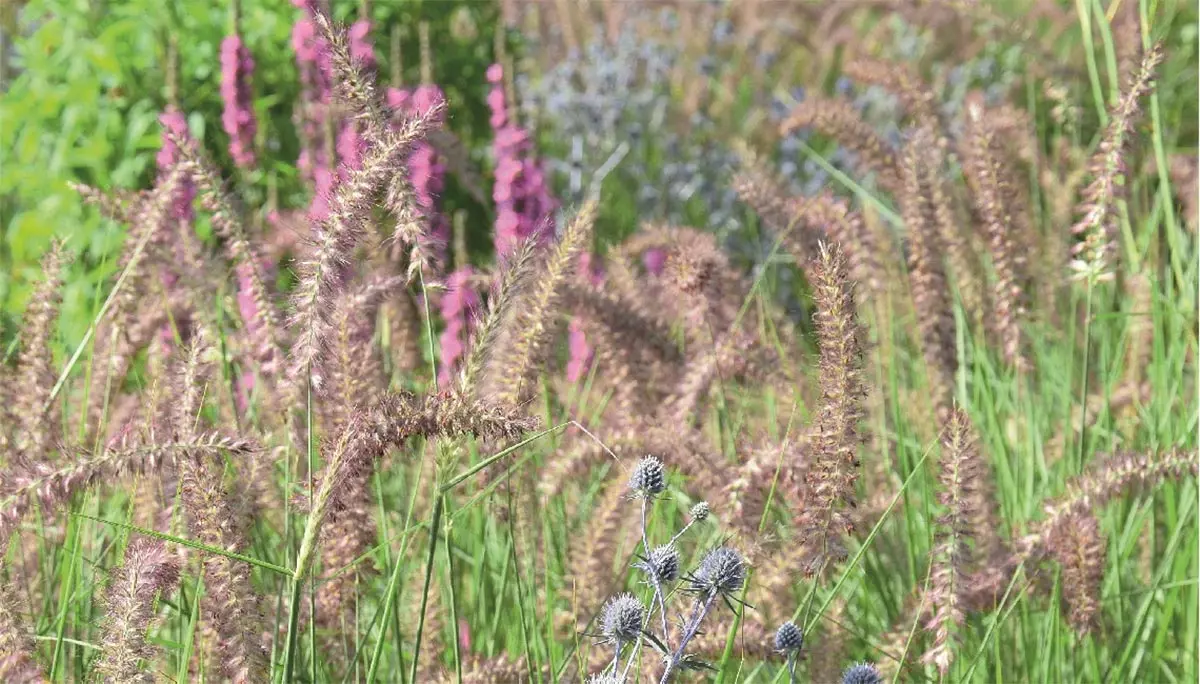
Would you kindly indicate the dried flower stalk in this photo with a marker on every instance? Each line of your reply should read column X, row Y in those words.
column 148, row 570
column 836, row 118
column 959, row 476
column 927, row 276
column 835, row 437
column 1098, row 223
column 35, row 374
column 1081, row 548
column 528, row 333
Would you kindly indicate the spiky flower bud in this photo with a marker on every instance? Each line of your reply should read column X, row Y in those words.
column 621, row 620
column 861, row 673
column 788, row 638
column 699, row 512
column 721, row 571
column 648, row 478
column 662, row 565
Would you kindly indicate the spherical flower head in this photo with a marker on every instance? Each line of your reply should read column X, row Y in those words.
column 606, row 678
column 721, row 571
column 699, row 512
column 621, row 620
column 788, row 638
column 662, row 565
column 648, row 479
column 862, row 673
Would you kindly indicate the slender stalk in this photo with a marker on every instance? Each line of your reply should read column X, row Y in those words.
column 433, row 537
column 453, row 601
column 1087, row 346
column 393, row 584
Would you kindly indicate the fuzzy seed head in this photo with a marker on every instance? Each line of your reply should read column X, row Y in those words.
column 648, row 478
column 700, row 512
column 861, row 673
column 722, row 571
column 663, row 564
column 788, row 638
column 621, row 620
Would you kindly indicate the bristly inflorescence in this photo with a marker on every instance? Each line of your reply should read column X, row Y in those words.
column 828, row 515
column 648, row 479
column 662, row 564
column 722, row 572
column 788, row 638
column 148, row 570
column 1098, row 223
column 862, row 673
column 621, row 621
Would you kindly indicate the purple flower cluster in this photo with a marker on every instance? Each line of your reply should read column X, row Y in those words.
column 182, row 209
column 237, row 66
column 524, row 204
column 458, row 307
column 427, row 171
column 350, row 143
column 315, row 63
column 360, row 46
column 173, row 121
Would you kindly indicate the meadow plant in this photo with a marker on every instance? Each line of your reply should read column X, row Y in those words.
column 322, row 447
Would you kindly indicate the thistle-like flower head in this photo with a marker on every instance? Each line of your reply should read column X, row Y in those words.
column 662, row 564
column 788, row 638
column 721, row 571
column 699, row 512
column 648, row 478
column 621, row 620
column 861, row 673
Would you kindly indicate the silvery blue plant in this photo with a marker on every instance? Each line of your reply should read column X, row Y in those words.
column 624, row 620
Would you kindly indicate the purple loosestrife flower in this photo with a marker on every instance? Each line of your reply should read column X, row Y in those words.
column 427, row 170
column 173, row 121
column 350, row 143
column 458, row 305
column 360, row 46
column 237, row 66
column 181, row 210
column 523, row 199
column 315, row 64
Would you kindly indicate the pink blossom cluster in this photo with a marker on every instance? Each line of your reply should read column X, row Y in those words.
column 350, row 143
column 360, row 46
column 237, row 66
column 182, row 209
column 173, row 121
column 426, row 169
column 315, row 63
column 524, row 204
column 580, row 352
column 458, row 307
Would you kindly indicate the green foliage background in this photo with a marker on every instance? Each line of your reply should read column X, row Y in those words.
column 86, row 81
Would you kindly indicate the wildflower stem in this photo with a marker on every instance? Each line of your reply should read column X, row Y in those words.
column 681, row 532
column 692, row 627
column 433, row 537
column 1087, row 345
